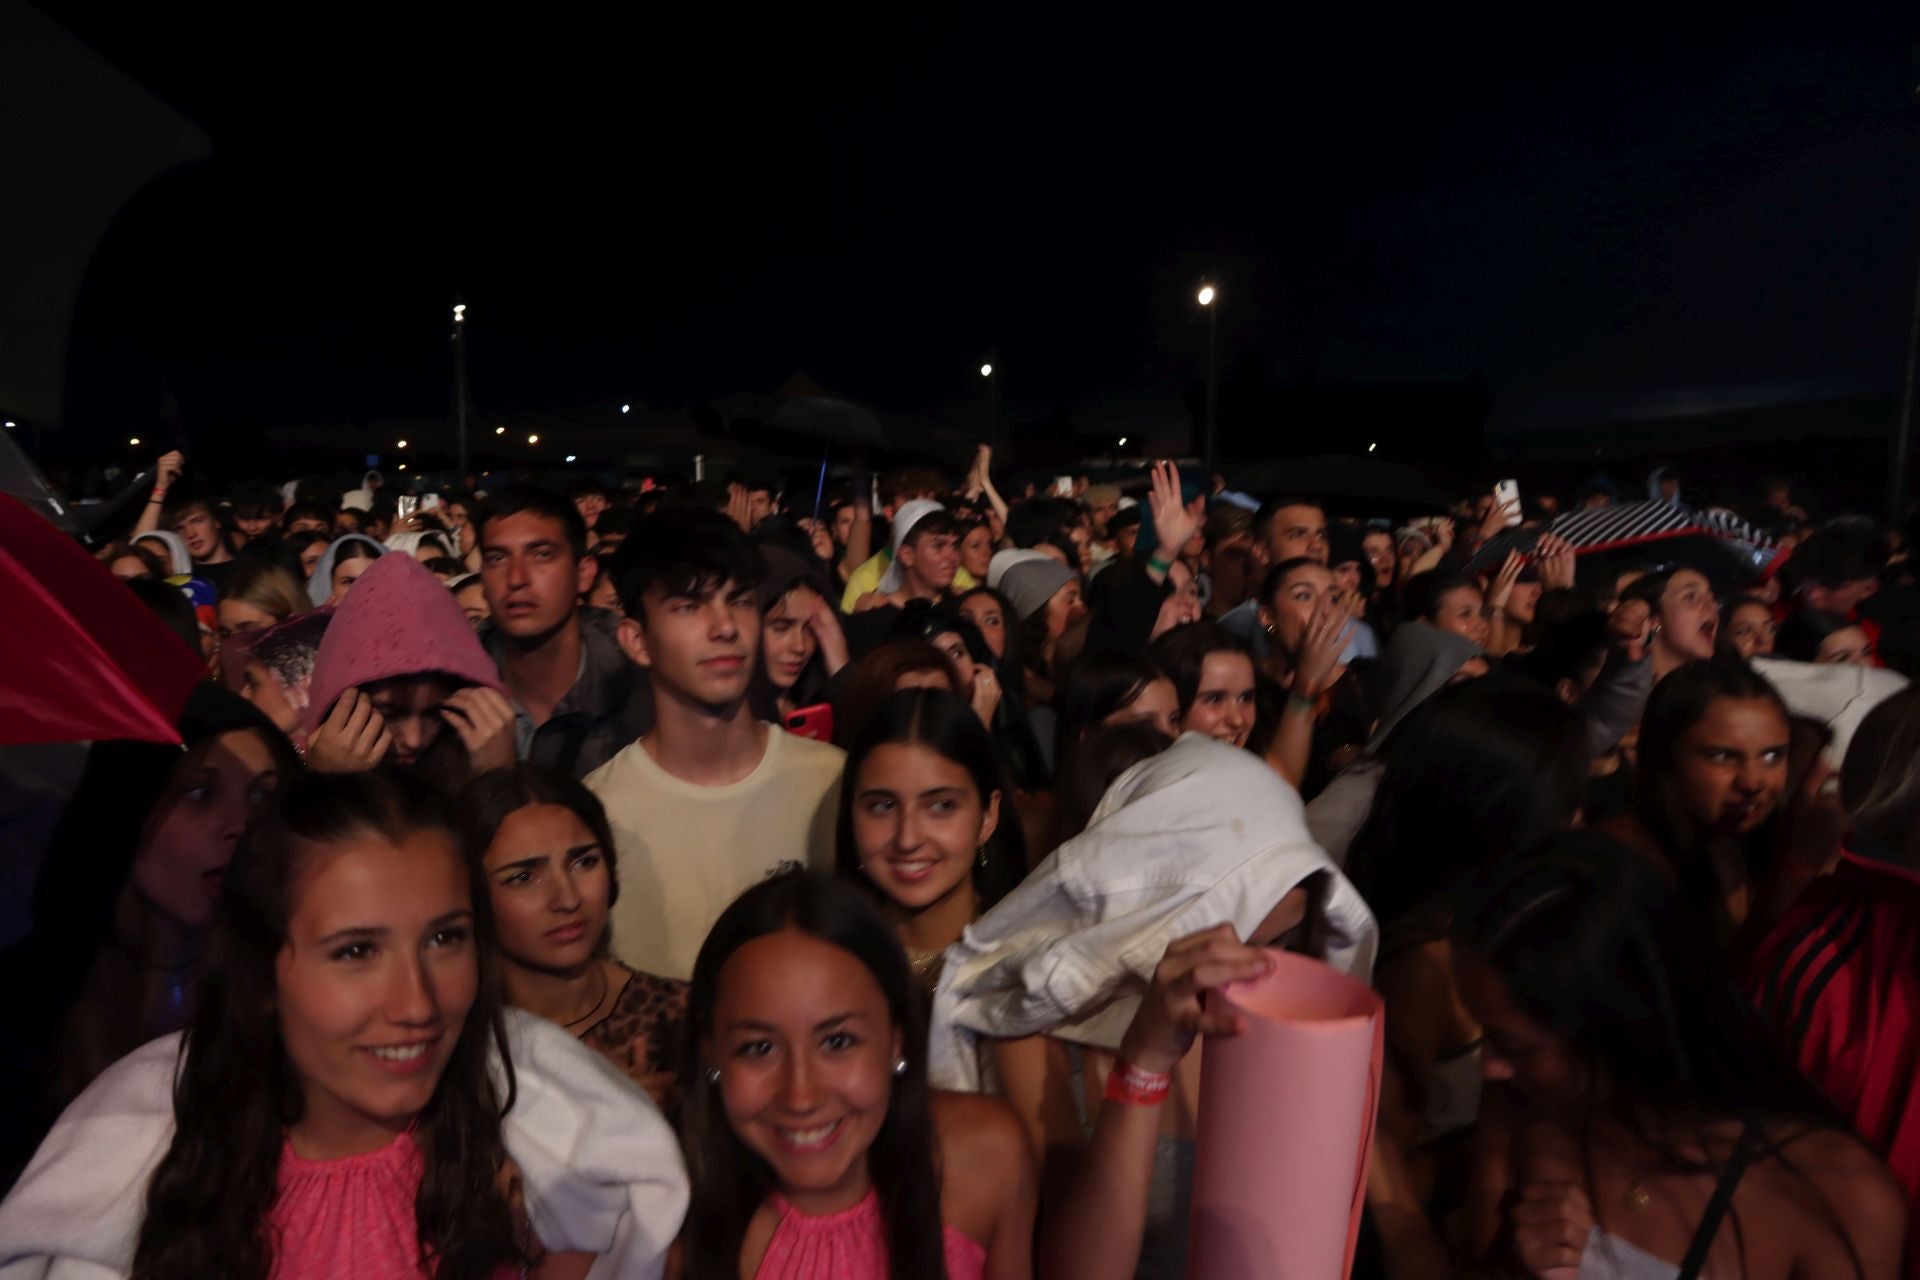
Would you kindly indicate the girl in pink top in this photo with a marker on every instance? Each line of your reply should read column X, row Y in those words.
column 335, row 1112
column 815, row 1149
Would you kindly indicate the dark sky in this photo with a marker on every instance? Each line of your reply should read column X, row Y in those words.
column 697, row 200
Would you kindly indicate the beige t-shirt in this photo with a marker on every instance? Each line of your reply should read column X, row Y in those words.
column 686, row 851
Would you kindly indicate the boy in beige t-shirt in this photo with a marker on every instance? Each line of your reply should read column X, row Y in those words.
column 712, row 800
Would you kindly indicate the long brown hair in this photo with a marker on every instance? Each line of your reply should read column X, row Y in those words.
column 235, row 1092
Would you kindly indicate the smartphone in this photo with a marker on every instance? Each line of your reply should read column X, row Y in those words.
column 814, row 722
column 405, row 506
column 1507, row 494
column 428, row 501
column 1063, row 486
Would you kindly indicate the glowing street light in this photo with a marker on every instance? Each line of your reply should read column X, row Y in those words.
column 1206, row 295
column 135, row 442
column 402, row 444
column 1206, row 298
column 499, row 431
column 403, row 466
column 11, row 424
column 1123, row 442
column 533, row 439
column 570, row 457
column 459, row 313
column 986, row 371
column 626, row 408
column 1373, row 446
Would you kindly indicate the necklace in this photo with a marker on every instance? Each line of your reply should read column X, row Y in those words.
column 597, row 1000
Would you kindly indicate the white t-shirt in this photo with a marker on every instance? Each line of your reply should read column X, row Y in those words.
column 686, row 851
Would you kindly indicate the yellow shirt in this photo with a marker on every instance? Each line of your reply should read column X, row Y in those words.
column 867, row 578
column 686, row 851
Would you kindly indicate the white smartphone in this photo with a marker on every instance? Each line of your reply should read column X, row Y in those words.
column 429, row 501
column 1507, row 494
column 1063, row 486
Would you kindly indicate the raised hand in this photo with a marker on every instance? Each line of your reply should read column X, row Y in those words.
column 1172, row 1013
column 484, row 720
column 1555, row 561
column 1503, row 583
column 985, row 694
column 824, row 621
column 353, row 737
column 1174, row 521
column 1318, row 662
column 1551, row 1223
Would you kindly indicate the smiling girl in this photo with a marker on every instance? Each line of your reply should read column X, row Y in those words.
column 921, row 822
column 815, row 1148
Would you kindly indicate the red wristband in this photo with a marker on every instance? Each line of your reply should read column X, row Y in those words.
column 1129, row 1084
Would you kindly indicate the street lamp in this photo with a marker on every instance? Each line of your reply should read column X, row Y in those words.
column 993, row 402
column 459, row 378
column 135, row 442
column 499, row 431
column 533, row 439
column 402, row 444
column 1206, row 298
column 626, row 408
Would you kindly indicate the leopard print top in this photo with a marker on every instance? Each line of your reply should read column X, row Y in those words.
column 641, row 1032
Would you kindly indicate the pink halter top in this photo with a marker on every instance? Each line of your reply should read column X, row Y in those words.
column 850, row 1245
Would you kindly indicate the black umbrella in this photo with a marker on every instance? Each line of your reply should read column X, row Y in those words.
column 1718, row 543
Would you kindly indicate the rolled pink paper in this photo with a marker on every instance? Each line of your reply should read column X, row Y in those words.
column 1286, row 1126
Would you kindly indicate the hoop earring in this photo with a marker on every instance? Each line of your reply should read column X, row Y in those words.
column 981, row 861
column 900, row 1067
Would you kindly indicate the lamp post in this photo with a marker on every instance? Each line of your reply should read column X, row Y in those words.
column 460, row 379
column 1207, row 297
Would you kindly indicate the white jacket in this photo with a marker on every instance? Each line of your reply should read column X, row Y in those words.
column 1202, row 833
column 600, row 1167
column 1836, row 694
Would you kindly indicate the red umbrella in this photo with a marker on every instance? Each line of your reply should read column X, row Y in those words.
column 80, row 657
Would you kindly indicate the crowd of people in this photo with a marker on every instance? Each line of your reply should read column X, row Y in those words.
column 708, row 880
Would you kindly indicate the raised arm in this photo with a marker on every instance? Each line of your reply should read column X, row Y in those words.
column 165, row 472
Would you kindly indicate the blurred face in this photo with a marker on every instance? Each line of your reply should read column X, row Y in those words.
column 1515, row 1048
column 1524, row 600
column 805, row 1046
column 590, row 505
column 259, row 687
column 1848, row 646
column 843, row 525
column 1297, row 531
column 787, row 643
column 928, row 679
column 976, row 552
column 699, row 647
column 347, row 522
column 1292, row 606
column 201, row 531
column 309, row 524
column 411, row 706
column 345, row 574
column 987, row 616
column 1181, row 605
column 127, row 568
column 1750, row 629
column 1462, row 611
column 1732, row 765
column 1223, row 702
column 191, row 832
column 930, row 560
column 1123, row 541
column 532, row 577
column 1346, row 579
column 550, row 886
column 252, row 526
column 821, row 538
column 1158, row 704
column 473, row 602
column 1063, row 609
column 310, row 557
column 759, row 505
column 954, row 648
column 373, row 986
column 1688, row 617
column 238, row 617
column 918, row 824
column 1409, row 554
column 1845, row 598
column 1379, row 548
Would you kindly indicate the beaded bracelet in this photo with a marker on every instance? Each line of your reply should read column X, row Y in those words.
column 1129, row 1084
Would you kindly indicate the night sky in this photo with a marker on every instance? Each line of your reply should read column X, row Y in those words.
column 687, row 204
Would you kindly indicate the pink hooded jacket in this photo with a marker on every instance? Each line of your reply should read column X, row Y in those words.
column 398, row 620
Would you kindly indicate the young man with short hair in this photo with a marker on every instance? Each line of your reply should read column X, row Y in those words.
column 712, row 800
column 561, row 661
column 898, row 492
column 1285, row 528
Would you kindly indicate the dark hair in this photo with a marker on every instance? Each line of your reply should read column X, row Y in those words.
column 445, row 567
column 1804, row 631
column 179, row 508
column 1094, row 688
column 684, row 552
column 728, row 1181
column 527, row 499
column 1039, row 521
column 874, row 678
column 1473, row 775
column 1423, row 592
column 1573, row 648
column 235, row 1092
column 1676, row 704
column 256, row 500
column 1843, row 550
column 157, row 566
column 1880, row 778
column 1272, row 506
column 589, row 487
column 307, row 510
column 355, row 516
column 355, row 549
column 945, row 724
column 932, row 524
column 1182, row 653
column 1276, row 576
column 298, row 542
column 1723, row 642
column 496, row 795
column 1086, row 774
column 1598, row 948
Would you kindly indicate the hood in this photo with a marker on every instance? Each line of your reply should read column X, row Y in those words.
column 397, row 621
column 1417, row 664
column 410, row 541
column 909, row 515
column 177, row 555
column 320, row 581
column 1200, row 834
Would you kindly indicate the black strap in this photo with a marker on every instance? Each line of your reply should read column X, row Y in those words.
column 1717, row 1207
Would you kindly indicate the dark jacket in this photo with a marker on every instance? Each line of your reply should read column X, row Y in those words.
column 609, row 705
